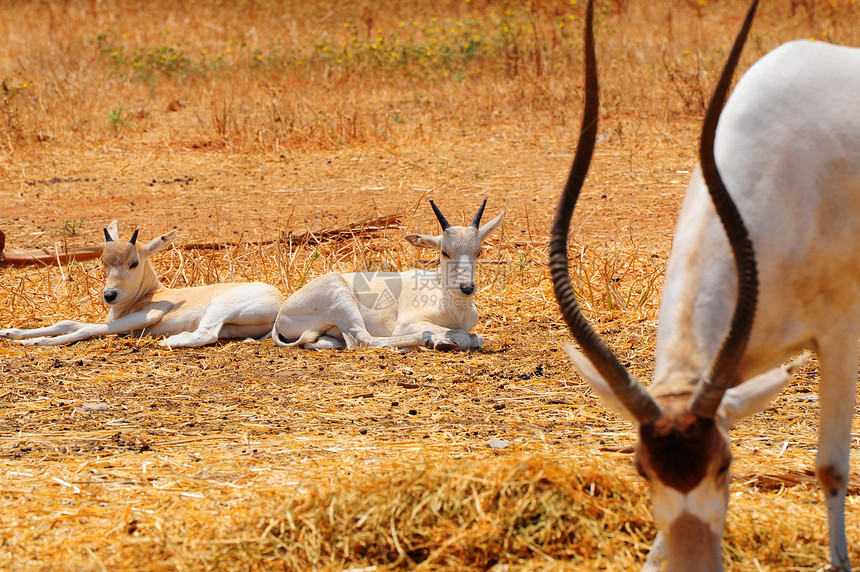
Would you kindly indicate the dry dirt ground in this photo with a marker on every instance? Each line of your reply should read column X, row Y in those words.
column 118, row 454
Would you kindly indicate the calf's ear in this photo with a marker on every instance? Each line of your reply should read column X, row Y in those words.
column 424, row 241
column 112, row 232
column 160, row 243
column 488, row 228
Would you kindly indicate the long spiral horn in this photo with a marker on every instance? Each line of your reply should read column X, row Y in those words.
column 723, row 372
column 626, row 387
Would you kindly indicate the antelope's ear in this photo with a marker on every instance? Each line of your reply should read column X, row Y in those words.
column 424, row 241
column 598, row 384
column 112, row 231
column 488, row 228
column 753, row 395
column 159, row 243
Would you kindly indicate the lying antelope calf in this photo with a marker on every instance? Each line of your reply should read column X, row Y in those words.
column 141, row 304
column 394, row 309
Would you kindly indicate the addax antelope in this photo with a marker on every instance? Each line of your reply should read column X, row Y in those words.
column 788, row 148
column 141, row 304
column 433, row 309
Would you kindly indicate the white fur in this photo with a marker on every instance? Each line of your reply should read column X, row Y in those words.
column 788, row 148
column 141, row 304
column 394, row 309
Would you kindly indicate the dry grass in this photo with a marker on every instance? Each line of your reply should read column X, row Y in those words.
column 243, row 456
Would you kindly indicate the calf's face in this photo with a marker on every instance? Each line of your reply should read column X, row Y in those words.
column 459, row 248
column 127, row 265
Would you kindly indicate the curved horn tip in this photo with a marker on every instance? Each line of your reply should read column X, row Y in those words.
column 440, row 217
column 134, row 236
column 108, row 237
column 476, row 222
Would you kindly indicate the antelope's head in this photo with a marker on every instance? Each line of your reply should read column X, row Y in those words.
column 683, row 450
column 459, row 248
column 129, row 273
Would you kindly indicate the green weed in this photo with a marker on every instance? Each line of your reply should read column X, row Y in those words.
column 118, row 118
column 71, row 227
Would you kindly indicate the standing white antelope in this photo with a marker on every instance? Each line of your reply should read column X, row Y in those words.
column 141, row 304
column 394, row 309
column 788, row 147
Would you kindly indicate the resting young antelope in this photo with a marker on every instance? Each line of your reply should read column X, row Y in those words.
column 140, row 303
column 788, row 147
column 394, row 309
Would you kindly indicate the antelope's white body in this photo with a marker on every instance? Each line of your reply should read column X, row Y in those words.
column 788, row 150
column 393, row 309
column 140, row 304
column 785, row 170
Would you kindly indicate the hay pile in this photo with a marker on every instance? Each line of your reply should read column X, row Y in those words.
column 457, row 516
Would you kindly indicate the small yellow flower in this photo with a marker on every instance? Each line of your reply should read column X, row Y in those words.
column 204, row 52
column 229, row 51
column 259, row 57
column 25, row 85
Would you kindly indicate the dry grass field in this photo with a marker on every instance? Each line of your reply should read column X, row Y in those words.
column 252, row 128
